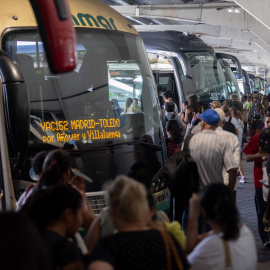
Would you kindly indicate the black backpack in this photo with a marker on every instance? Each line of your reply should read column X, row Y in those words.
column 229, row 126
column 181, row 174
column 256, row 111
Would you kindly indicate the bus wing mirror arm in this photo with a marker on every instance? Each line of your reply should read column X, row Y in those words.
column 186, row 66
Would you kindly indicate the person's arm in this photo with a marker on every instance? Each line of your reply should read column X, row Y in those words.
column 232, row 178
column 250, row 158
column 182, row 115
column 192, row 236
column 180, row 122
column 93, row 235
column 236, row 131
column 88, row 213
column 186, row 115
column 100, row 265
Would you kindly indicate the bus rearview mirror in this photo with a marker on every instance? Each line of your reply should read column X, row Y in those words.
column 57, row 33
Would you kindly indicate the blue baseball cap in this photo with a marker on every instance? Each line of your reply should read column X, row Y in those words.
column 211, row 117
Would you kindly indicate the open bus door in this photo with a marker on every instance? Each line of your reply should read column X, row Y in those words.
column 57, row 33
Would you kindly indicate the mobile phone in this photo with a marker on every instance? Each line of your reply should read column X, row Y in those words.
column 80, row 174
column 264, row 182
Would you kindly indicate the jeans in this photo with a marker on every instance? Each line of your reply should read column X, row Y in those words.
column 260, row 209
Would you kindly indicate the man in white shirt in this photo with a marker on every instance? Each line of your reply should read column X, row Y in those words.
column 212, row 153
column 234, row 145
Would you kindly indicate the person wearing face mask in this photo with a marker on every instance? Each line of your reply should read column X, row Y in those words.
column 212, row 153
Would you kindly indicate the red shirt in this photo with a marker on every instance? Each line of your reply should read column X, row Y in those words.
column 253, row 148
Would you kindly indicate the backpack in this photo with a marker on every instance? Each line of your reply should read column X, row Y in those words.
column 228, row 126
column 180, row 173
column 256, row 111
column 172, row 118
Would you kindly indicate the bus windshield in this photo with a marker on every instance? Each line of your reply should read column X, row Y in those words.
column 207, row 81
column 108, row 101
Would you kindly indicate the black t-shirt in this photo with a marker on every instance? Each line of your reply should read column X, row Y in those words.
column 144, row 250
column 61, row 250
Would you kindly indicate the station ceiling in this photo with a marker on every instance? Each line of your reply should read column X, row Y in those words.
column 240, row 27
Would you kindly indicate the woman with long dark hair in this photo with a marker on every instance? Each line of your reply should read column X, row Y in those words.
column 192, row 111
column 229, row 241
column 174, row 140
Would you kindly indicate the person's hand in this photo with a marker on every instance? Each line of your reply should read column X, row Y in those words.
column 187, row 110
column 263, row 155
column 1, row 194
column 194, row 208
column 78, row 183
column 202, row 236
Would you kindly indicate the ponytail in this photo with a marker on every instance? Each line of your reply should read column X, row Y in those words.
column 218, row 204
column 51, row 176
column 227, row 217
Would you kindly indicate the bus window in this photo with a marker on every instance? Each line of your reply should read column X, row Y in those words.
column 125, row 81
column 208, row 81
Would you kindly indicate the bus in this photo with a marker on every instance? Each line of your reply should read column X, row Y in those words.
column 243, row 81
column 257, row 83
column 191, row 67
column 82, row 111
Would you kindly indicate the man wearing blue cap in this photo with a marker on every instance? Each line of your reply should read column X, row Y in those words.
column 211, row 153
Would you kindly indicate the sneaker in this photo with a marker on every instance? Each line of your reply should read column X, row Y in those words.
column 243, row 180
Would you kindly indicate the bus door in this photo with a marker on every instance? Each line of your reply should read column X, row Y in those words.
column 14, row 123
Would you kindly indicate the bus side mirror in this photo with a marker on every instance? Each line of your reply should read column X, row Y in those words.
column 57, row 33
column 234, row 60
column 186, row 66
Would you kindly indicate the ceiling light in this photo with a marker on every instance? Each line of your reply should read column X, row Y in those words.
column 233, row 10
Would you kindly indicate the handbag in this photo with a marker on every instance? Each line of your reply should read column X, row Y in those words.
column 171, row 250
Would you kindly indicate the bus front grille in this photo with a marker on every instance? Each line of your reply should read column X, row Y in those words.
column 96, row 200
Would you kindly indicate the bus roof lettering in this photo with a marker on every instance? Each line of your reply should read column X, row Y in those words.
column 104, row 22
column 87, row 17
column 99, row 21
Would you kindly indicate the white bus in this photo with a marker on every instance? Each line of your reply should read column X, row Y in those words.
column 83, row 111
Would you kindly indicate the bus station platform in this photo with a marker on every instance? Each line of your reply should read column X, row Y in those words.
column 246, row 206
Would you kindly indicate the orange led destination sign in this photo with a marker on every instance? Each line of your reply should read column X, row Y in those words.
column 87, row 129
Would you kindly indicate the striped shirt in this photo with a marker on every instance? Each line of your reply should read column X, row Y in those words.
column 235, row 147
column 211, row 153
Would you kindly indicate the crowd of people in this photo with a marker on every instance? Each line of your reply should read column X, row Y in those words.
column 130, row 233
